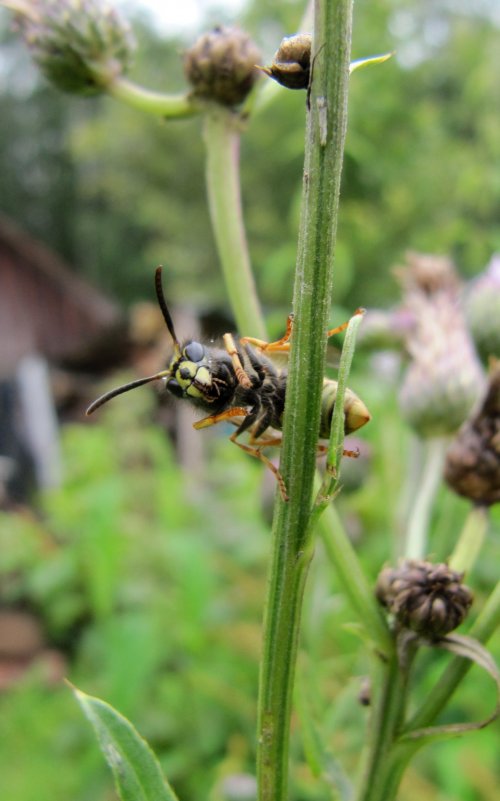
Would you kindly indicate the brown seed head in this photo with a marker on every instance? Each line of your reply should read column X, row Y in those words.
column 472, row 466
column 427, row 598
column 220, row 65
column 291, row 65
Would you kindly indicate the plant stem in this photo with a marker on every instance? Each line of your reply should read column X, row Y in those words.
column 292, row 545
column 353, row 581
column 222, row 141
column 470, row 541
column 385, row 721
column 487, row 622
column 418, row 522
column 171, row 106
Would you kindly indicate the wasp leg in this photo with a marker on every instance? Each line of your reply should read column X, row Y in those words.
column 351, row 454
column 283, row 345
column 256, row 451
column 232, row 350
column 280, row 346
column 213, row 419
column 342, row 327
column 266, row 442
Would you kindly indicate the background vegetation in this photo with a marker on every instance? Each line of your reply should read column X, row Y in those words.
column 150, row 580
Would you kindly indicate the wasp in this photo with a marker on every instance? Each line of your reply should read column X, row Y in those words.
column 240, row 384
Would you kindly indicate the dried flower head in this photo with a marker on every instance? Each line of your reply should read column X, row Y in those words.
column 472, row 466
column 444, row 377
column 482, row 309
column 291, row 65
column 221, row 65
column 427, row 273
column 427, row 598
column 80, row 45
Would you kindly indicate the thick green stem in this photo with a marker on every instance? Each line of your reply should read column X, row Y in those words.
column 222, row 142
column 418, row 523
column 292, row 546
column 171, row 106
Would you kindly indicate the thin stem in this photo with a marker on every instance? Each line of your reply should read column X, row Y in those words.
column 353, row 582
column 385, row 721
column 418, row 523
column 487, row 622
column 292, row 544
column 470, row 541
column 172, row 106
column 222, row 140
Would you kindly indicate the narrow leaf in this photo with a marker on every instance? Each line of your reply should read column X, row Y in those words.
column 137, row 773
column 468, row 648
column 360, row 63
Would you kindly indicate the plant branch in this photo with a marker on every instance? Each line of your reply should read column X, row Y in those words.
column 222, row 141
column 163, row 105
column 419, row 517
column 470, row 541
column 292, row 545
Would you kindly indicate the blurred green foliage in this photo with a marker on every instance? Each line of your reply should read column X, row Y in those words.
column 118, row 192
column 151, row 581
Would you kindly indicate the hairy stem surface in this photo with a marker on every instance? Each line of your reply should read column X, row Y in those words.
column 292, row 546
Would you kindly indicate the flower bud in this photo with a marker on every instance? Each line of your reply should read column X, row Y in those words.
column 444, row 377
column 221, row 66
column 80, row 45
column 291, row 65
column 472, row 467
column 427, row 598
column 482, row 309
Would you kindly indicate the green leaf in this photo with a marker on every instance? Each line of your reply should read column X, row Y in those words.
column 468, row 648
column 136, row 770
column 360, row 63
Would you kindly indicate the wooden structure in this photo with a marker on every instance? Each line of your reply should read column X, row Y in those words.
column 48, row 317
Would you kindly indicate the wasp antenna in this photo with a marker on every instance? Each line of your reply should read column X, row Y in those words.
column 164, row 308
column 124, row 388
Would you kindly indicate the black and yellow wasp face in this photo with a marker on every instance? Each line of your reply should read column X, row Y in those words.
column 190, row 375
column 201, row 374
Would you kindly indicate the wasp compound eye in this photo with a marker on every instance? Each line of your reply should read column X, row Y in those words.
column 195, row 352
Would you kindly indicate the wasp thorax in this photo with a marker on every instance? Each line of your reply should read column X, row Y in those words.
column 221, row 65
column 292, row 62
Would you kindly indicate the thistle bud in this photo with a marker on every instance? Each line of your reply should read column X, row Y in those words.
column 472, row 466
column 291, row 65
column 79, row 45
column 426, row 598
column 221, row 66
column 444, row 377
column 482, row 309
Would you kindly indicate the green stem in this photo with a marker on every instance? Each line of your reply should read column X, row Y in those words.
column 353, row 582
column 172, row 106
column 470, row 541
column 387, row 715
column 487, row 622
column 292, row 545
column 222, row 141
column 418, row 522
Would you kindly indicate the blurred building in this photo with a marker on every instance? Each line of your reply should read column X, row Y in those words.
column 52, row 324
